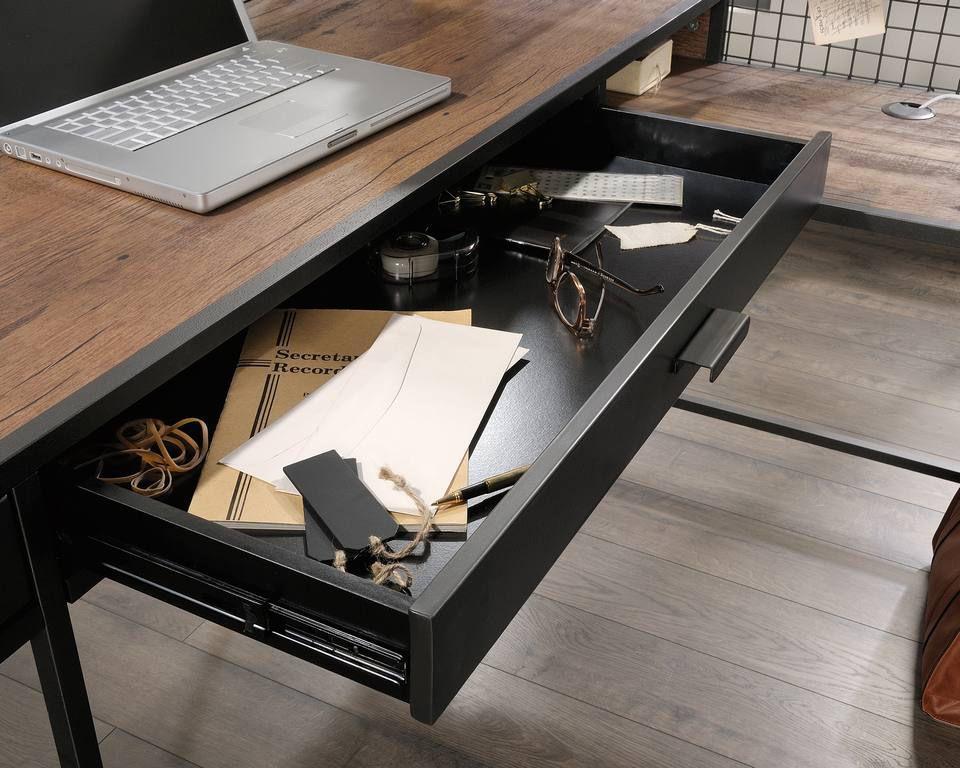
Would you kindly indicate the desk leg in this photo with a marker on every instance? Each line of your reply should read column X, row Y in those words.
column 717, row 33
column 54, row 648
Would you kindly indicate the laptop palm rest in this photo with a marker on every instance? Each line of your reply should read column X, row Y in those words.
column 293, row 119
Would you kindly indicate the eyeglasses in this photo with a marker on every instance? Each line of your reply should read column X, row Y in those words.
column 570, row 297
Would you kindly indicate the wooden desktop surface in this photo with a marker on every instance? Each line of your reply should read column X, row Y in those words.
column 91, row 275
column 908, row 167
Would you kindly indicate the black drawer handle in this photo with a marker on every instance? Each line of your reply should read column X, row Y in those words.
column 714, row 344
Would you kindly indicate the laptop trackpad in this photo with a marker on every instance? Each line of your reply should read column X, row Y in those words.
column 293, row 119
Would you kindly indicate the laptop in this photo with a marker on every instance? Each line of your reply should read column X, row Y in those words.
column 177, row 100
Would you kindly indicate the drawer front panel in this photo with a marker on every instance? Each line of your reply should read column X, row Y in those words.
column 466, row 608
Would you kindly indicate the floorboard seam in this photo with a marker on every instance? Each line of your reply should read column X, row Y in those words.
column 760, row 409
column 880, row 256
column 619, row 715
column 744, row 353
column 157, row 746
column 693, row 500
column 784, row 322
column 798, row 262
column 375, row 724
column 724, row 661
column 825, row 612
column 353, row 753
column 186, row 640
column 381, row 727
column 786, row 466
column 802, row 293
column 134, row 621
column 29, row 687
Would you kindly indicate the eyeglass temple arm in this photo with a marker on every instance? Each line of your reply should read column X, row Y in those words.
column 586, row 266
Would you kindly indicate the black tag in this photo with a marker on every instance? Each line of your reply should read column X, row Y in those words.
column 317, row 542
column 349, row 513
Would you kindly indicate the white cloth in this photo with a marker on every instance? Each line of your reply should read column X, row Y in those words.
column 648, row 235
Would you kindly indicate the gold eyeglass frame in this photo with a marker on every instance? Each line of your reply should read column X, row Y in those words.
column 560, row 266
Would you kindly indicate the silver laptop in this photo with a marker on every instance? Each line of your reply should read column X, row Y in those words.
column 177, row 100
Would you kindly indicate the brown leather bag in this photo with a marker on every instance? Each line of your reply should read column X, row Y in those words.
column 940, row 667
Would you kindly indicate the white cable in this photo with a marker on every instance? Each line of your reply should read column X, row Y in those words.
column 938, row 98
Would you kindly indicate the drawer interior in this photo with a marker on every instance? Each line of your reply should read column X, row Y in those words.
column 541, row 394
column 537, row 400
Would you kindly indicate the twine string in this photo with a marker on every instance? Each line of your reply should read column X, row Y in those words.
column 427, row 513
column 396, row 573
column 386, row 565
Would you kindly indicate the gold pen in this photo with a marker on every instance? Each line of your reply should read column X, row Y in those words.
column 491, row 484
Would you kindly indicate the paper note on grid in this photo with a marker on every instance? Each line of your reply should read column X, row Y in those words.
column 834, row 21
column 649, row 189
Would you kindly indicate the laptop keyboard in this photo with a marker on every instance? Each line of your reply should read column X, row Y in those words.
column 165, row 110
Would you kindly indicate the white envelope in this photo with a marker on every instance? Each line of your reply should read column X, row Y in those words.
column 412, row 402
column 346, row 411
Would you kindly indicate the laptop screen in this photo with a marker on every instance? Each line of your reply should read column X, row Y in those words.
column 53, row 52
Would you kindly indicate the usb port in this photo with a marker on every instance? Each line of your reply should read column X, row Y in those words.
column 36, row 156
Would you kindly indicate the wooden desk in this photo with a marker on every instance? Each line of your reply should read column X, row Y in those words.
column 100, row 289
column 895, row 172
column 105, row 295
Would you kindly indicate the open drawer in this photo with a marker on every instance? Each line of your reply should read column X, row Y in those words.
column 578, row 411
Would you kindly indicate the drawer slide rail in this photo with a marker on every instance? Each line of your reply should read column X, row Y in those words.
column 280, row 626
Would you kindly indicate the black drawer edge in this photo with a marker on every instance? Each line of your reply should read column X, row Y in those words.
column 239, row 582
column 468, row 605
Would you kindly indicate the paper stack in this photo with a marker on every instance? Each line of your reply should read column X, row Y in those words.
column 412, row 402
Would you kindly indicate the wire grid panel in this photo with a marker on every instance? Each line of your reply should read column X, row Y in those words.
column 920, row 49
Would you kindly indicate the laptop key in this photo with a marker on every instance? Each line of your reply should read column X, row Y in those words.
column 107, row 134
column 168, row 108
column 117, row 138
column 85, row 130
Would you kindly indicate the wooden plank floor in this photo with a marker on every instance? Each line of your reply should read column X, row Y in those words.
column 736, row 599
column 910, row 167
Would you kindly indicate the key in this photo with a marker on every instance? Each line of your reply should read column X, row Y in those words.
column 86, row 130
column 108, row 133
column 122, row 136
